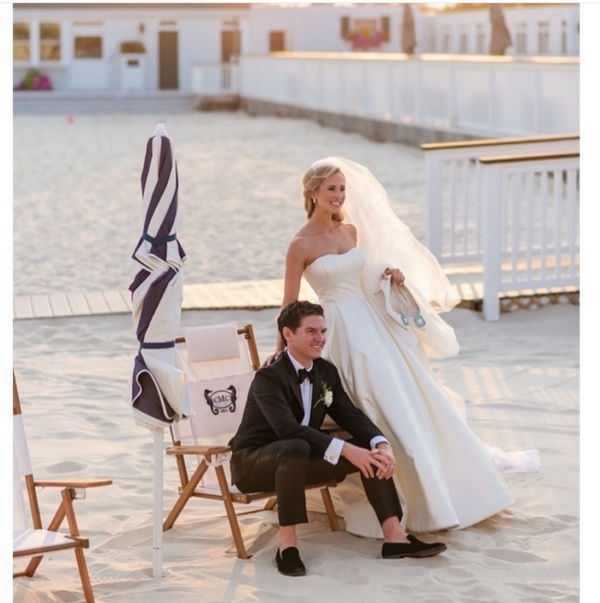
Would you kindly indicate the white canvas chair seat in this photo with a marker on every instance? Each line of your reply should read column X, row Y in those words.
column 30, row 538
column 43, row 541
column 220, row 363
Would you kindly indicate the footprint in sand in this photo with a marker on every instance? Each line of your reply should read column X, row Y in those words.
column 514, row 556
column 66, row 467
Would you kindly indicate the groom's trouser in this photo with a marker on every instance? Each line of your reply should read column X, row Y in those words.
column 287, row 466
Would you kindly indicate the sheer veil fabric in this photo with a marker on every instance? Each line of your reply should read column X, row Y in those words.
column 387, row 241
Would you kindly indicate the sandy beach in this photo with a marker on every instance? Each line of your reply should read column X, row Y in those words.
column 76, row 220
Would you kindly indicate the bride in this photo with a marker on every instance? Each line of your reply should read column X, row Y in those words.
column 381, row 291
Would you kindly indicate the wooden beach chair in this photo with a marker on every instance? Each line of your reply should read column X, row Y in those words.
column 30, row 539
column 220, row 363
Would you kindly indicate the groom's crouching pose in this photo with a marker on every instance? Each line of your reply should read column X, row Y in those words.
column 279, row 446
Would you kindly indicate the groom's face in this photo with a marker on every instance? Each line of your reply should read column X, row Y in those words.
column 307, row 342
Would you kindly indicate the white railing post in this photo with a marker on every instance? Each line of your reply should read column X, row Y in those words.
column 433, row 165
column 492, row 213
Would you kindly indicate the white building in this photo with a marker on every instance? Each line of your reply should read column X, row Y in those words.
column 536, row 30
column 156, row 46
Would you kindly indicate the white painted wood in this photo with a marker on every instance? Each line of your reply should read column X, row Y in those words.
column 41, row 306
column 455, row 92
column 22, row 307
column 573, row 219
column 433, row 165
column 126, row 296
column 96, row 302
column 59, row 304
column 544, row 195
column 540, row 253
column 115, row 302
column 215, row 79
column 492, row 243
column 558, row 222
column 441, row 200
column 530, row 205
column 516, row 225
column 213, row 296
column 78, row 303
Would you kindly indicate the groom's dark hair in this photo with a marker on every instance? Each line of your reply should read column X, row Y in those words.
column 291, row 316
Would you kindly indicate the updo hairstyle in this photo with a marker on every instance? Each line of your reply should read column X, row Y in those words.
column 311, row 182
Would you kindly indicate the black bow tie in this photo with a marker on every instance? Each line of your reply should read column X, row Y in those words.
column 304, row 374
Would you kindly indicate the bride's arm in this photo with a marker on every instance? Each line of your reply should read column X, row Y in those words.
column 294, row 267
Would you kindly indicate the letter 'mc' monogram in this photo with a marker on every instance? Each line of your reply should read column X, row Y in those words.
column 221, row 400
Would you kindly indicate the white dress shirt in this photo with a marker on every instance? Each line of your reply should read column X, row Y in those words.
column 334, row 450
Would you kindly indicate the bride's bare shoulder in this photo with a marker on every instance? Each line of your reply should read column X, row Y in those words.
column 299, row 245
column 350, row 230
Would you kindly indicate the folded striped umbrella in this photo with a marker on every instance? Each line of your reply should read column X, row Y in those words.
column 158, row 394
column 158, row 386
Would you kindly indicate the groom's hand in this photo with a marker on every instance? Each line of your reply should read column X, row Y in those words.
column 383, row 453
column 368, row 461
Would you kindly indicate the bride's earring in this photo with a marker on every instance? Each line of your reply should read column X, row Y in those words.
column 313, row 201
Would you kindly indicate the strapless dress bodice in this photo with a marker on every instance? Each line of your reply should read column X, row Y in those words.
column 336, row 277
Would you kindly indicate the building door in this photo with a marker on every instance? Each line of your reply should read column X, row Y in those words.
column 230, row 45
column 276, row 41
column 168, row 60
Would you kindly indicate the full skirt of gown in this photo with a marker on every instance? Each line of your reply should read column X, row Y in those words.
column 445, row 476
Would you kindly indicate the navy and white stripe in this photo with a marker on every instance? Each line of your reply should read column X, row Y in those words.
column 158, row 393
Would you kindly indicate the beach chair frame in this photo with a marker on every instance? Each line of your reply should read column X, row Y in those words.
column 215, row 457
column 52, row 539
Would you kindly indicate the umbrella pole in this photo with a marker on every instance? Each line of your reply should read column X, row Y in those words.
column 157, row 546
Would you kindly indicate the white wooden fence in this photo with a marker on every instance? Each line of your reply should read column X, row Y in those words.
column 454, row 196
column 215, row 79
column 481, row 95
column 530, row 224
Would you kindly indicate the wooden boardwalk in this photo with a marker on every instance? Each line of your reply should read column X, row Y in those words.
column 252, row 295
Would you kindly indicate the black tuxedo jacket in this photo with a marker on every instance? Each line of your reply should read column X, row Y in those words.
column 274, row 411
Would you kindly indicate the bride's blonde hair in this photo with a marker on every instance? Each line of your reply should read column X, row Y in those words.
column 311, row 181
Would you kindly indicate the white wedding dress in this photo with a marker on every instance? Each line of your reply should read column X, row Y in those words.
column 445, row 475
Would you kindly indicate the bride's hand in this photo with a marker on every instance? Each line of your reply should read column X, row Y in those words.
column 271, row 359
column 395, row 274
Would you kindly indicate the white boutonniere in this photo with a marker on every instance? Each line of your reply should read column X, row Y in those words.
column 326, row 396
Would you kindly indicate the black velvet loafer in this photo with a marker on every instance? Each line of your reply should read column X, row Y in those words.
column 415, row 548
column 289, row 562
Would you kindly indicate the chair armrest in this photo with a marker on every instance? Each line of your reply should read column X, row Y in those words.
column 73, row 483
column 331, row 428
column 198, row 450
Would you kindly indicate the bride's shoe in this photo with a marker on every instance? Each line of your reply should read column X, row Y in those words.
column 409, row 307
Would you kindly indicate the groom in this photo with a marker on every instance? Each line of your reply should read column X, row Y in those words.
column 278, row 445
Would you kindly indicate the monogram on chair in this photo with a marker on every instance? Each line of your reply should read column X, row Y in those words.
column 221, row 400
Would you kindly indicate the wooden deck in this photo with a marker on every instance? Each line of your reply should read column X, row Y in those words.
column 254, row 295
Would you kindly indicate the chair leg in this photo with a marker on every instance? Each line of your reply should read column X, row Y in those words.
column 231, row 516
column 333, row 520
column 271, row 503
column 67, row 496
column 185, row 495
column 53, row 526
column 85, row 577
